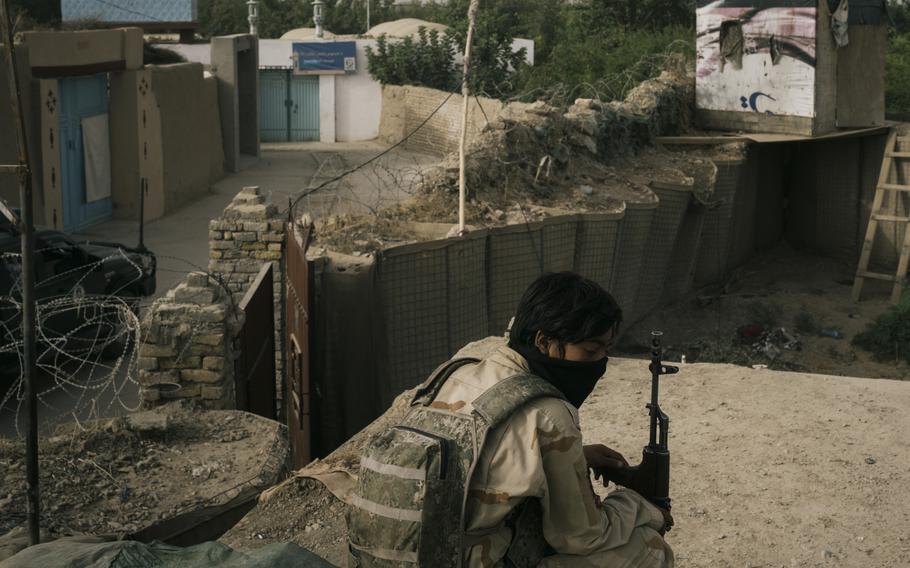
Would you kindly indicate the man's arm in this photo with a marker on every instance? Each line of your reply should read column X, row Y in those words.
column 573, row 523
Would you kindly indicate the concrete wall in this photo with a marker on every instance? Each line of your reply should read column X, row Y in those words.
column 193, row 157
column 358, row 101
column 404, row 108
column 89, row 51
column 9, row 184
column 165, row 138
column 235, row 64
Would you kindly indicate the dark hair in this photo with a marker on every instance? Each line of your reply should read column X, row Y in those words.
column 565, row 307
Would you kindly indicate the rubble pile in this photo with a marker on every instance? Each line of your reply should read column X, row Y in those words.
column 537, row 161
column 119, row 476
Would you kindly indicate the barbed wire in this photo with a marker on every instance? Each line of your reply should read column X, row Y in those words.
column 87, row 342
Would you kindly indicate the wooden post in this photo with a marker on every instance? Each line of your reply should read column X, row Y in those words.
column 27, row 236
column 466, row 95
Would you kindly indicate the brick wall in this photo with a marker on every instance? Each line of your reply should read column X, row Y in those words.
column 248, row 234
column 405, row 107
column 188, row 345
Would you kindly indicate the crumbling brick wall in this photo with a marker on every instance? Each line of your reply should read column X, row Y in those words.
column 188, row 348
column 248, row 234
column 406, row 107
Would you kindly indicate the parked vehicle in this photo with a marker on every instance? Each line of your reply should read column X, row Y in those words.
column 82, row 289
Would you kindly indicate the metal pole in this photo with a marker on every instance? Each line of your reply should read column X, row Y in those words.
column 466, row 95
column 28, row 278
column 142, row 185
column 368, row 15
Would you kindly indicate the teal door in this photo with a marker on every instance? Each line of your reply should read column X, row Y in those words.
column 289, row 106
column 273, row 105
column 305, row 108
column 80, row 97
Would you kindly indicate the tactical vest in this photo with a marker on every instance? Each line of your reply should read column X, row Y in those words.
column 409, row 509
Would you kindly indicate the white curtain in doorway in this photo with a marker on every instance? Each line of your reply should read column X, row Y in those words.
column 96, row 141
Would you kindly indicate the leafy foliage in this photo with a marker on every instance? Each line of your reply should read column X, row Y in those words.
column 897, row 74
column 888, row 337
column 428, row 61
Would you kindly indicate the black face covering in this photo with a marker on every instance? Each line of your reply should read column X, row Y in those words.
column 575, row 380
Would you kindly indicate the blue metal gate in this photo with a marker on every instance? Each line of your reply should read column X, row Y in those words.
column 305, row 108
column 289, row 106
column 80, row 97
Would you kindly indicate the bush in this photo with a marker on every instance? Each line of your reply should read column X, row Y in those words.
column 897, row 74
column 888, row 337
column 604, row 66
column 429, row 61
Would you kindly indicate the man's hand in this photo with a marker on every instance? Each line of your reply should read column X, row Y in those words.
column 601, row 459
column 668, row 521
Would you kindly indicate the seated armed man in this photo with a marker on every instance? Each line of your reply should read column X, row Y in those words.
column 521, row 496
column 562, row 332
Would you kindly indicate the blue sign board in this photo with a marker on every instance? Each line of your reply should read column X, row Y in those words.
column 335, row 57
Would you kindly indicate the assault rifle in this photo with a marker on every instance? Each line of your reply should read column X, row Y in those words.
column 651, row 478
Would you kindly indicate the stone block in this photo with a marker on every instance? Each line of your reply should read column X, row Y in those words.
column 200, row 376
column 148, row 363
column 149, row 395
column 218, row 392
column 221, row 245
column 223, row 267
column 186, row 295
column 278, row 226
column 208, row 339
column 216, row 254
column 213, row 363
column 272, row 237
column 253, row 246
column 232, row 254
column 153, row 350
column 152, row 378
column 246, row 236
column 197, row 280
column 267, row 255
column 275, row 246
column 182, row 362
column 216, row 235
column 248, row 266
column 256, row 226
column 222, row 225
column 188, row 391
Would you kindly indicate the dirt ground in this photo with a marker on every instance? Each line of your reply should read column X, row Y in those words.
column 804, row 293
column 122, row 475
column 769, row 468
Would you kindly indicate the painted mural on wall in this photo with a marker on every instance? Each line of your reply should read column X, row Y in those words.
column 756, row 56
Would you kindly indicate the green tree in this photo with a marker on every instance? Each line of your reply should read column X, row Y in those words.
column 427, row 61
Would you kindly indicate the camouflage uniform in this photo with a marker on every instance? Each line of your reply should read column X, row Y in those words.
column 537, row 453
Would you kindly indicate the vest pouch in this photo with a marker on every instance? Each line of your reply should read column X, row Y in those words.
column 403, row 495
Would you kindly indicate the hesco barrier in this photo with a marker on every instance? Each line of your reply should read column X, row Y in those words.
column 433, row 297
column 714, row 248
column 521, row 253
column 596, row 246
column 681, row 273
column 633, row 242
column 668, row 218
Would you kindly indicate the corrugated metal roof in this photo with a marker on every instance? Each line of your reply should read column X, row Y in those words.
column 129, row 10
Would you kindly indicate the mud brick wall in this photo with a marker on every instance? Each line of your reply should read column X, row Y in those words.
column 406, row 107
column 248, row 234
column 185, row 353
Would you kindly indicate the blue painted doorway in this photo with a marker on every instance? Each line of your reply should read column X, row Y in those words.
column 80, row 97
column 289, row 106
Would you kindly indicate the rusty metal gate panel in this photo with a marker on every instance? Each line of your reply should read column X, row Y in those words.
column 254, row 370
column 298, row 343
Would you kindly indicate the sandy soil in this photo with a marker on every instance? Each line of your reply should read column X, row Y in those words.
column 120, row 476
column 804, row 293
column 770, row 469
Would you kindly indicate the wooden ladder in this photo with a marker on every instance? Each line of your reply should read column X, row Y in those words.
column 886, row 187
